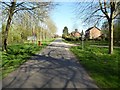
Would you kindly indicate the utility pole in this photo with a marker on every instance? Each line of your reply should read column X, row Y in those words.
column 82, row 38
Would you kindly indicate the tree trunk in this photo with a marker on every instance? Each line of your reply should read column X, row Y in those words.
column 42, row 36
column 110, row 36
column 11, row 12
column 45, row 36
column 6, row 33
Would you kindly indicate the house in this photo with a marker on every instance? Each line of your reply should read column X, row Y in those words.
column 75, row 33
column 93, row 33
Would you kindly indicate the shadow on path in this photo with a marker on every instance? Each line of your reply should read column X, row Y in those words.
column 45, row 71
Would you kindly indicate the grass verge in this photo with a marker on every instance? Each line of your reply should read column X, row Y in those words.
column 102, row 67
column 18, row 54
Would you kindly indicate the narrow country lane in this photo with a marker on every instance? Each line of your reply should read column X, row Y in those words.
column 54, row 67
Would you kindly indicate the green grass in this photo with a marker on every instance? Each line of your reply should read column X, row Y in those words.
column 102, row 67
column 18, row 54
column 88, row 42
column 0, row 64
column 92, row 42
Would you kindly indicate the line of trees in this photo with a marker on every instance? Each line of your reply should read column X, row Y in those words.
column 22, row 19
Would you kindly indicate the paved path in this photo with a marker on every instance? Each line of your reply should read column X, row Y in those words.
column 54, row 67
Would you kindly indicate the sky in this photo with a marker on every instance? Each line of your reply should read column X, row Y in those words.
column 64, row 15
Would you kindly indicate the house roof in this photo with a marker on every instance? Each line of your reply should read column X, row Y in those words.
column 75, row 32
column 91, row 28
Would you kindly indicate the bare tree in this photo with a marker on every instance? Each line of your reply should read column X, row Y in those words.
column 51, row 25
column 96, row 11
column 14, row 7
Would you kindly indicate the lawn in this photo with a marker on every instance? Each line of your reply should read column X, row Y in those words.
column 102, row 67
column 0, row 64
column 18, row 54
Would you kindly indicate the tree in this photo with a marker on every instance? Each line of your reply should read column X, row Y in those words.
column 76, row 30
column 117, row 31
column 65, row 31
column 97, row 11
column 51, row 25
column 105, row 30
column 23, row 26
column 13, row 7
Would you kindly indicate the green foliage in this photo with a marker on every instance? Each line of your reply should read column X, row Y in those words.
column 51, row 25
column 105, row 31
column 65, row 32
column 117, row 32
column 0, row 39
column 0, row 63
column 24, row 24
column 102, row 67
column 3, row 30
column 71, row 38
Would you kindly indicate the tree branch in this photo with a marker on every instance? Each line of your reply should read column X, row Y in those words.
column 6, row 4
column 19, row 4
column 19, row 9
column 104, row 12
column 105, row 8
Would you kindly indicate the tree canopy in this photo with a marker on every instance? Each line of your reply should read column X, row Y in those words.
column 65, row 30
column 26, row 14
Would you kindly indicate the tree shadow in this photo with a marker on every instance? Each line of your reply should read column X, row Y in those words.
column 43, row 71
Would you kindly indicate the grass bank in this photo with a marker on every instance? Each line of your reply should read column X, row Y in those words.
column 18, row 54
column 102, row 67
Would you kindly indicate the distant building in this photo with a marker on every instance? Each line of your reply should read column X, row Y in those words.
column 30, row 38
column 75, row 33
column 93, row 33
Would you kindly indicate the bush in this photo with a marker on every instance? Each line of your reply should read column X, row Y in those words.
column 64, row 36
column 68, row 39
column 72, row 39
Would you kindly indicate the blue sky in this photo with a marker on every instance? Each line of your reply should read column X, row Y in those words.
column 63, row 15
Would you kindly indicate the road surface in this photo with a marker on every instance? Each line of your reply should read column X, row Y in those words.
column 54, row 67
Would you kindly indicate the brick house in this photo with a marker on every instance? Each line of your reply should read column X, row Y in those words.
column 75, row 33
column 93, row 33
